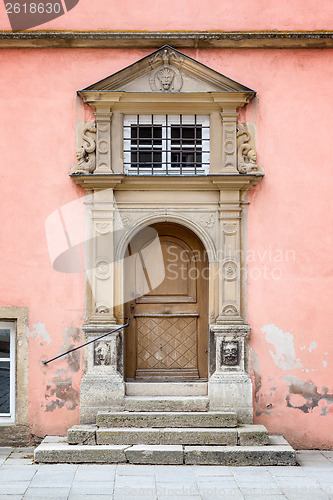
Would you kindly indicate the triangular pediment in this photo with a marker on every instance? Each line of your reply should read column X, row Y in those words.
column 168, row 71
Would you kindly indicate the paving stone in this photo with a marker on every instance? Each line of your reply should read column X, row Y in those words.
column 62, row 452
column 239, row 455
column 92, row 487
column 177, row 489
column 80, row 496
column 82, row 434
column 135, row 482
column 135, row 470
column 16, row 473
column 155, row 454
column 264, row 497
column 19, row 461
column 46, row 493
column 288, row 471
column 14, row 488
column 211, row 472
column 166, row 419
column 92, row 472
column 251, row 435
column 10, row 497
column 6, row 450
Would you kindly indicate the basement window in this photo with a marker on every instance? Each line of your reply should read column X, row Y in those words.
column 166, row 144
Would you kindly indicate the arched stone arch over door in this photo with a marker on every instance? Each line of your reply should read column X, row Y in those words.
column 168, row 334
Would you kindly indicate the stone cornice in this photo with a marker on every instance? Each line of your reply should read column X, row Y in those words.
column 178, row 39
column 166, row 183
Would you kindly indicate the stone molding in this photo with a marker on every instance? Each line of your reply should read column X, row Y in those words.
column 179, row 39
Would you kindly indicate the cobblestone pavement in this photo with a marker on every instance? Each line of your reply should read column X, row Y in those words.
column 21, row 478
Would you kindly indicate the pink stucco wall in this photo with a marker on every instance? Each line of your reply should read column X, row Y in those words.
column 191, row 15
column 289, row 238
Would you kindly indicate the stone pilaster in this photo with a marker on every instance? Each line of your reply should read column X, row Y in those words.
column 230, row 258
column 229, row 141
column 100, row 267
column 103, row 140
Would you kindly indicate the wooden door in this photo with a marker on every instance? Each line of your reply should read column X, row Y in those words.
column 167, row 280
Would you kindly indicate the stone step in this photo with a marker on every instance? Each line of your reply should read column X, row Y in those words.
column 166, row 419
column 245, row 435
column 182, row 436
column 166, row 403
column 152, row 389
column 57, row 450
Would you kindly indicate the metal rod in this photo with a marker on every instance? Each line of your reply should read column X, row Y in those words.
column 90, row 341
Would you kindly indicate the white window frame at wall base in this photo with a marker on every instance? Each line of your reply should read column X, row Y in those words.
column 11, row 326
column 166, row 121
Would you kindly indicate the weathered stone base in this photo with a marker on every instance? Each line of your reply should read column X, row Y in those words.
column 100, row 392
column 229, row 392
column 16, row 435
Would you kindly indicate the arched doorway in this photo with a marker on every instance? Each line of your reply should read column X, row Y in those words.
column 166, row 279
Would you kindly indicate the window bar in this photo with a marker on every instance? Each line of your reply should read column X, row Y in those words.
column 137, row 146
column 181, row 144
column 167, row 147
column 195, row 145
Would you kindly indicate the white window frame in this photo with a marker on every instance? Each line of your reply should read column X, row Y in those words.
column 166, row 121
column 11, row 326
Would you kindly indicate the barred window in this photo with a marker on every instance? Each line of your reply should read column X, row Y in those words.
column 166, row 144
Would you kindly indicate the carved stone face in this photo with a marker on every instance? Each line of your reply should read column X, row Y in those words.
column 102, row 353
column 166, row 77
column 230, row 353
column 252, row 155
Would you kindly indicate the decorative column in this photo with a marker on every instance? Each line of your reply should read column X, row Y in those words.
column 230, row 387
column 229, row 140
column 103, row 384
column 230, row 257
column 103, row 140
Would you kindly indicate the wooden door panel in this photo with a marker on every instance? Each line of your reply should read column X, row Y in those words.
column 166, row 342
column 180, row 270
column 168, row 333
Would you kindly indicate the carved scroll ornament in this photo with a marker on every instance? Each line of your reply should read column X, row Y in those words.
column 247, row 155
column 86, row 154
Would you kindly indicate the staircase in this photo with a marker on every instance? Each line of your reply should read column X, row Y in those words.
column 167, row 430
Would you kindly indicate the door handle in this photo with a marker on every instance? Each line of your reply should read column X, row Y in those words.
column 132, row 308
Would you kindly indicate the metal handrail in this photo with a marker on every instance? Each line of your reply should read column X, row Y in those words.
column 90, row 341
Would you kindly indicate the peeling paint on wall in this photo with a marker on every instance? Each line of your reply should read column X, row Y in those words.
column 312, row 346
column 257, row 383
column 62, row 394
column 59, row 391
column 304, row 396
column 39, row 332
column 285, row 356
